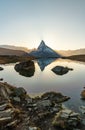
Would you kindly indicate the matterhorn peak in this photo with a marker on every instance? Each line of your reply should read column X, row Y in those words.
column 42, row 45
column 43, row 51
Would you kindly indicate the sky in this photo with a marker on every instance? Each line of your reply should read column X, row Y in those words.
column 60, row 23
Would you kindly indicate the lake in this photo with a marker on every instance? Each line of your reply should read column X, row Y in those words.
column 44, row 79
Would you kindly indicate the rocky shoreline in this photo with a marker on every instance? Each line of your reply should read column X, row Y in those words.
column 20, row 111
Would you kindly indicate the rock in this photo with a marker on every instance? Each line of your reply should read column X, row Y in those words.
column 82, row 109
column 83, row 121
column 46, row 106
column 44, row 103
column 1, row 68
column 27, row 127
column 33, row 128
column 24, row 125
column 28, row 100
column 83, row 94
column 6, row 113
column 19, row 92
column 8, row 116
column 76, row 129
column 43, row 51
column 66, row 119
column 5, row 119
column 26, row 68
column 16, row 99
column 56, row 108
column 3, row 92
column 4, row 106
column 55, row 97
column 1, row 79
column 60, row 70
column 20, row 111
column 13, row 123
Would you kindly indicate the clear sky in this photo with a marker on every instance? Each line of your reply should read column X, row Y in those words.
column 60, row 23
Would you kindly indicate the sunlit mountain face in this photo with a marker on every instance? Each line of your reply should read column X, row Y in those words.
column 44, row 51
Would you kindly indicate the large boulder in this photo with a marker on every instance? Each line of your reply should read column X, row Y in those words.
column 26, row 68
column 83, row 94
column 19, row 92
column 1, row 79
column 18, row 95
column 66, row 119
column 9, row 116
column 1, row 68
column 55, row 97
column 5, row 91
column 60, row 70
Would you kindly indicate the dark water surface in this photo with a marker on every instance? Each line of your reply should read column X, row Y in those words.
column 44, row 79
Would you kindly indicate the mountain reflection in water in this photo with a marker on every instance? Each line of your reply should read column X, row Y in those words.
column 43, row 62
column 27, row 68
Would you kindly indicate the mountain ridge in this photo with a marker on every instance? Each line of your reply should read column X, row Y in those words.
column 4, row 51
column 72, row 52
column 12, row 47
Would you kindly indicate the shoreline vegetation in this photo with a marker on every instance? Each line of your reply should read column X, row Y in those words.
column 77, row 57
column 5, row 59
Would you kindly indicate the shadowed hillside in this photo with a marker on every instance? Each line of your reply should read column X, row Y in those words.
column 4, row 51
column 77, row 57
column 14, row 47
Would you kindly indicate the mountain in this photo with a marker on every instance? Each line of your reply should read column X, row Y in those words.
column 72, row 52
column 4, row 51
column 15, row 48
column 43, row 51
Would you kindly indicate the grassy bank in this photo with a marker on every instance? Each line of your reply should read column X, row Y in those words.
column 77, row 57
column 13, row 59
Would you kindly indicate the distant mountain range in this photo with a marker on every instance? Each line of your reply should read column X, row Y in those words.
column 72, row 52
column 15, row 50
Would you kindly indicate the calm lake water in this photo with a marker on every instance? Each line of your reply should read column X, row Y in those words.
column 44, row 79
